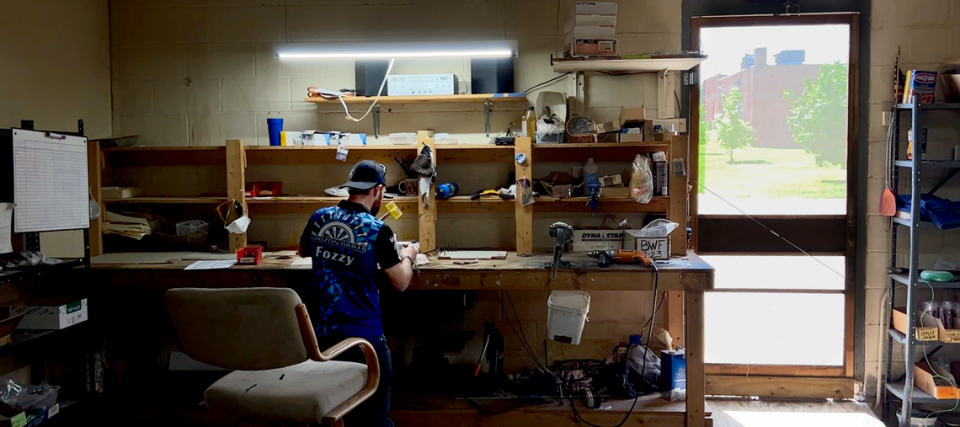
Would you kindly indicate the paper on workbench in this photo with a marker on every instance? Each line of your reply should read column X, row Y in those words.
column 208, row 256
column 211, row 265
column 303, row 261
column 6, row 227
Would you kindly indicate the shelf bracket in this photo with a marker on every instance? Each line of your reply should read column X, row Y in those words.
column 944, row 181
column 376, row 121
column 487, row 115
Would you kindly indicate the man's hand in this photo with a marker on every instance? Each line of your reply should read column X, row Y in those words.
column 412, row 250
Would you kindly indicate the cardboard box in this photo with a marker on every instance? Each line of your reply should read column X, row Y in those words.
column 939, row 388
column 948, row 335
column 673, row 374
column 590, row 21
column 631, row 137
column 610, row 137
column 927, row 330
column 290, row 139
column 594, row 8
column 54, row 316
column 585, row 240
column 614, row 192
column 922, row 84
column 655, row 247
column 608, row 127
column 611, row 181
column 632, row 115
column 591, row 33
column 564, row 191
column 120, row 192
column 590, row 48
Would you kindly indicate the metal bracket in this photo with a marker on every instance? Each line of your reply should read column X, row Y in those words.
column 690, row 78
column 487, row 115
column 376, row 121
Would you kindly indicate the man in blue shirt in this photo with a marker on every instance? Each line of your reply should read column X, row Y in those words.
column 347, row 244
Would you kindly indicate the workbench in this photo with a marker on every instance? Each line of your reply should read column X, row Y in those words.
column 689, row 275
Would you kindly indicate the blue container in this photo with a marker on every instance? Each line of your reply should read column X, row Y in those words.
column 448, row 190
column 636, row 339
column 274, row 126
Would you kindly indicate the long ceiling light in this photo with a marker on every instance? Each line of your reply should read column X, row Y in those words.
column 494, row 49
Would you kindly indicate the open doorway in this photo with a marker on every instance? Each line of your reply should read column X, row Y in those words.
column 776, row 152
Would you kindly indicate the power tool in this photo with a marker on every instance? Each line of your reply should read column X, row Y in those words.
column 620, row 256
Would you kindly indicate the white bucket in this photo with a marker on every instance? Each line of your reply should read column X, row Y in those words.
column 567, row 312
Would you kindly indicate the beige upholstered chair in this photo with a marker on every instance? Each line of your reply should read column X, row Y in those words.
column 265, row 336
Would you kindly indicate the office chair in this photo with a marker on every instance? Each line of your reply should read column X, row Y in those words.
column 279, row 374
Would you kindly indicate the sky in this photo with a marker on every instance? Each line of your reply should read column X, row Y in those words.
column 726, row 46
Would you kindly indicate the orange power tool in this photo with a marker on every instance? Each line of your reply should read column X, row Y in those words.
column 620, row 256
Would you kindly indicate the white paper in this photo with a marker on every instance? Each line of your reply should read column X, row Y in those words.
column 211, row 265
column 303, row 261
column 49, row 182
column 6, row 227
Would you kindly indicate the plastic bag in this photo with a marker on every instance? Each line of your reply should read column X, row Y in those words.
column 193, row 227
column 657, row 228
column 946, row 314
column 10, row 393
column 641, row 180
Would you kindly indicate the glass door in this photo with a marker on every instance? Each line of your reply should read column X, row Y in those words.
column 773, row 193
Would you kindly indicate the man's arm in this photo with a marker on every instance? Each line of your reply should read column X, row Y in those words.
column 399, row 270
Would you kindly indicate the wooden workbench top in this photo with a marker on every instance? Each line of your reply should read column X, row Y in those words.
column 688, row 273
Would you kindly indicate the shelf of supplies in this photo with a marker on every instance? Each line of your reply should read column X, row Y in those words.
column 166, row 200
column 919, row 396
column 944, row 164
column 609, row 204
column 436, row 99
column 936, row 106
column 624, row 65
column 384, row 153
column 561, row 146
column 8, row 275
column 904, row 279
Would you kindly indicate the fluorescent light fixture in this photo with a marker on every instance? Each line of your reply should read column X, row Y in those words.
column 476, row 49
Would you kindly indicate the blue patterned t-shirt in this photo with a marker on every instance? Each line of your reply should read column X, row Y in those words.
column 346, row 244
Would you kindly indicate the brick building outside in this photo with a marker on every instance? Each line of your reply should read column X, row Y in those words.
column 762, row 86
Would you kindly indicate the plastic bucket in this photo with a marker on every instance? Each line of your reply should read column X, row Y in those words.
column 567, row 311
column 274, row 126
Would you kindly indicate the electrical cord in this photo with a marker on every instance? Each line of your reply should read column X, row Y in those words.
column 519, row 325
column 539, row 85
column 643, row 369
column 375, row 100
column 523, row 342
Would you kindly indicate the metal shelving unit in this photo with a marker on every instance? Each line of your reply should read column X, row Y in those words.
column 909, row 280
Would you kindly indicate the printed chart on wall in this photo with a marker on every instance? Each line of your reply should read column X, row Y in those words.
column 50, row 182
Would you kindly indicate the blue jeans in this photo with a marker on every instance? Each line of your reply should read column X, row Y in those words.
column 373, row 411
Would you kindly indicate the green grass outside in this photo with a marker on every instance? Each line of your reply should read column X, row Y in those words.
column 770, row 173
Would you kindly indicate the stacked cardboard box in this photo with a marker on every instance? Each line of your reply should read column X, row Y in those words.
column 591, row 30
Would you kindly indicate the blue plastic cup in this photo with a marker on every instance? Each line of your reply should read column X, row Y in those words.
column 274, row 126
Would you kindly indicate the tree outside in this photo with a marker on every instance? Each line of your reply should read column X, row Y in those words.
column 732, row 131
column 818, row 119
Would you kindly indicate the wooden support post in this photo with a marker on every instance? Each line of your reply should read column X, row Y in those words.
column 236, row 180
column 667, row 95
column 677, row 209
column 524, row 214
column 428, row 213
column 696, row 380
column 675, row 317
column 95, row 181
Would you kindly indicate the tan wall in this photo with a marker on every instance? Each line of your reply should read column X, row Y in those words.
column 928, row 33
column 56, row 69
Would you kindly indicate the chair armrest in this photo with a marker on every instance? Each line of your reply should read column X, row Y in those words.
column 369, row 355
column 373, row 375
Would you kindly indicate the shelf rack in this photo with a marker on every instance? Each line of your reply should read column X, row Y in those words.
column 236, row 157
column 904, row 391
column 488, row 100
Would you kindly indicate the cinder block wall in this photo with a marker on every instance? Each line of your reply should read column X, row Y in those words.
column 198, row 72
column 928, row 33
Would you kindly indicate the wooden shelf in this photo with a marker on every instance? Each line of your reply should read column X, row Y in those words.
column 561, row 146
column 165, row 156
column 301, row 205
column 166, row 200
column 463, row 204
column 383, row 153
column 625, row 65
column 433, row 99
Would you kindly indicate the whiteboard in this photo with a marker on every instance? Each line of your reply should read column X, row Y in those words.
column 49, row 182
